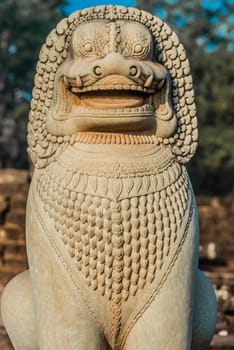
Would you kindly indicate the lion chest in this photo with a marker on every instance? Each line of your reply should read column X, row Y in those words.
column 118, row 230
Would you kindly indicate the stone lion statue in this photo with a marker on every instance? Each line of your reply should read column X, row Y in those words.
column 112, row 231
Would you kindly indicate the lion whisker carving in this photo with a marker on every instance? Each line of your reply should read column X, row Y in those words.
column 112, row 230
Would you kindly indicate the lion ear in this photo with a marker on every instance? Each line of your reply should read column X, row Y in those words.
column 166, row 121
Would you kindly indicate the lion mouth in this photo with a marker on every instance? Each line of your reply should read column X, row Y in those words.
column 112, row 99
column 110, row 95
column 123, row 103
column 112, row 103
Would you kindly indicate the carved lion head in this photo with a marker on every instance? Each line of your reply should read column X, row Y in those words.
column 112, row 69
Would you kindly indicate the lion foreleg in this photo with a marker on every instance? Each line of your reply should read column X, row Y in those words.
column 205, row 313
column 18, row 313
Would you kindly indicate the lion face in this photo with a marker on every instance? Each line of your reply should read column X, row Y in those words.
column 111, row 82
column 108, row 71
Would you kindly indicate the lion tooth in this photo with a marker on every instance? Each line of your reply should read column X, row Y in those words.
column 74, row 89
column 148, row 81
column 66, row 83
column 79, row 82
column 160, row 84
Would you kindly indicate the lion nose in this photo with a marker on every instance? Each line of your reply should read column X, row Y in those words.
column 115, row 63
column 134, row 71
column 97, row 71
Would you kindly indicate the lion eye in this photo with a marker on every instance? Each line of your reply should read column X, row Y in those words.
column 139, row 49
column 87, row 47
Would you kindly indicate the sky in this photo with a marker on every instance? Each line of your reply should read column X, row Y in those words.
column 80, row 4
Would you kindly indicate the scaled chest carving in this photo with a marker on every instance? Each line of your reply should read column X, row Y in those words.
column 123, row 224
column 120, row 226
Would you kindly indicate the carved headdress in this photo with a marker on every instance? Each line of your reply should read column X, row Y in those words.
column 44, row 146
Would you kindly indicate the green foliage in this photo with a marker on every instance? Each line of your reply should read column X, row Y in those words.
column 213, row 167
column 212, row 68
column 23, row 27
column 209, row 23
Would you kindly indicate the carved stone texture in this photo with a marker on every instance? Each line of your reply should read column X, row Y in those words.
column 112, row 232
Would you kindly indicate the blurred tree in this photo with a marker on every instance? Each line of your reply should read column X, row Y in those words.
column 209, row 23
column 23, row 27
column 206, row 28
column 213, row 167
